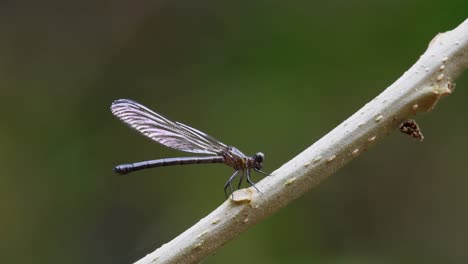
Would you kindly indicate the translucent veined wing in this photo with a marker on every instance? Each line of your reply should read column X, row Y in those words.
column 164, row 131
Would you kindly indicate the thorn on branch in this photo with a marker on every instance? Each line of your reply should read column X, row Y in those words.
column 411, row 128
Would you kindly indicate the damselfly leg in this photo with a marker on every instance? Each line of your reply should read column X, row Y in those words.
column 228, row 184
column 251, row 182
column 262, row 172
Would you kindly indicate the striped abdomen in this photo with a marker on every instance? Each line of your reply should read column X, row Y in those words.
column 126, row 168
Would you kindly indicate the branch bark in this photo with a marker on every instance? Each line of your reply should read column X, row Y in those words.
column 418, row 90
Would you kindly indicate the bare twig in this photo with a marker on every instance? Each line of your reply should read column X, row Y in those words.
column 417, row 90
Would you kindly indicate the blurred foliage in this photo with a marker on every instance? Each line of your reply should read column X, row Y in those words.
column 271, row 76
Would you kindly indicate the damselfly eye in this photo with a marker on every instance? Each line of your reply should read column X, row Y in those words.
column 259, row 157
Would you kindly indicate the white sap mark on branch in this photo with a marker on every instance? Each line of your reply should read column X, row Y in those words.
column 242, row 196
column 378, row 118
column 203, row 233
column 440, row 77
column 289, row 181
column 317, row 159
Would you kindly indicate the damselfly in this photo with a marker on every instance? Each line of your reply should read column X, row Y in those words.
column 182, row 137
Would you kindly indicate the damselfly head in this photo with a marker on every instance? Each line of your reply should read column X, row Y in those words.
column 259, row 157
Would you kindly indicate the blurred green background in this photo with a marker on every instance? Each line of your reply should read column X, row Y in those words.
column 271, row 76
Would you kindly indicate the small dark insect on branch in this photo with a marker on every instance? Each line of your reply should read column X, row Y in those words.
column 411, row 128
